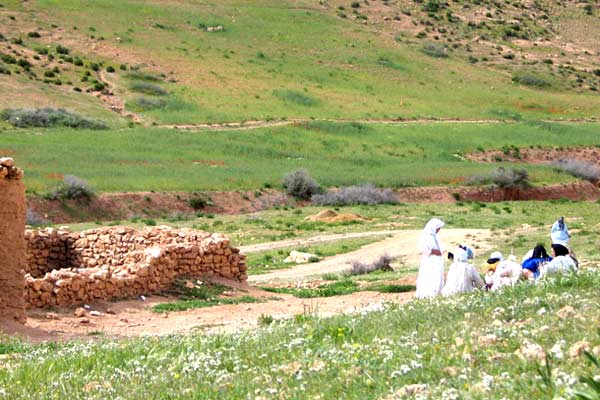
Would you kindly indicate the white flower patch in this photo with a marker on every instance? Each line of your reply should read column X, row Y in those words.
column 450, row 394
column 564, row 379
column 557, row 349
column 542, row 311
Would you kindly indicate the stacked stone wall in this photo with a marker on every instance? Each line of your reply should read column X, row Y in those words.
column 66, row 268
column 12, row 243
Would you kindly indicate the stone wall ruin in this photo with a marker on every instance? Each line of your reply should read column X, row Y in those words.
column 67, row 268
column 12, row 243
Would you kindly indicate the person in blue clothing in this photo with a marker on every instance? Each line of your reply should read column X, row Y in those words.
column 560, row 233
column 531, row 266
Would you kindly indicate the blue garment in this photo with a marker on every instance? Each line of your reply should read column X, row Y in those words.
column 559, row 235
column 533, row 264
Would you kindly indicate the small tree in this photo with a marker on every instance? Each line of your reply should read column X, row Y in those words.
column 299, row 184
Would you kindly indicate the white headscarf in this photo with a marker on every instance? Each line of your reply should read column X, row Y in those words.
column 461, row 256
column 428, row 240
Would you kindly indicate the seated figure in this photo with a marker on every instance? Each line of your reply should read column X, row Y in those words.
column 462, row 276
column 561, row 263
column 502, row 272
column 531, row 265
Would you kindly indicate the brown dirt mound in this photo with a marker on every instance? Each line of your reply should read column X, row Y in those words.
column 332, row 216
column 539, row 155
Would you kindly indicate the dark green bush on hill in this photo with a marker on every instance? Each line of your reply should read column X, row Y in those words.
column 530, row 79
column 49, row 117
column 437, row 50
column 147, row 103
column 147, row 88
column 296, row 97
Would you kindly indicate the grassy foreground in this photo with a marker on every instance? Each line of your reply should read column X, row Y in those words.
column 470, row 352
column 336, row 154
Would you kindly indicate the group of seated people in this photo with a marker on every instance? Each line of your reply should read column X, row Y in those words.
column 463, row 277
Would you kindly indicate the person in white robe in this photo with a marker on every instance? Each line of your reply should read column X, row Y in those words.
column 462, row 276
column 560, row 233
column 430, row 280
column 560, row 264
column 505, row 273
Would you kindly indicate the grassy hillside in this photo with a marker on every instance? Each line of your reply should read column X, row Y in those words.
column 234, row 61
column 471, row 352
column 335, row 154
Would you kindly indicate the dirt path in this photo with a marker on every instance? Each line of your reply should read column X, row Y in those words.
column 255, row 248
column 133, row 318
column 401, row 246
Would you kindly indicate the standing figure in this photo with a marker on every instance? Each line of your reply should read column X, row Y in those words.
column 431, row 271
column 560, row 233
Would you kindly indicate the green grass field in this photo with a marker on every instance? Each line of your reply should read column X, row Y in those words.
column 335, row 154
column 467, row 353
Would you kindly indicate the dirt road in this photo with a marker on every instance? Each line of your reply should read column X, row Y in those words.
column 401, row 246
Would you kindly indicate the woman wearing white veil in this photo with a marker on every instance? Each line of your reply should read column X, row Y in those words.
column 431, row 271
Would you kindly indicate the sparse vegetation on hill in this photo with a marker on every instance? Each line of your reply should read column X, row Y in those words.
column 49, row 117
column 226, row 67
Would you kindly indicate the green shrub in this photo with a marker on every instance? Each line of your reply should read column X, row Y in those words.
column 143, row 76
column 296, row 97
column 49, row 117
column 23, row 63
column 147, row 103
column 300, row 184
column 62, row 49
column 110, row 69
column 437, row 50
column 197, row 202
column 530, row 79
column 34, row 34
column 147, row 88
column 7, row 58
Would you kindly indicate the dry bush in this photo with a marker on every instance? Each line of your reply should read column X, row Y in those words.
column 578, row 168
column 300, row 184
column 383, row 263
column 362, row 194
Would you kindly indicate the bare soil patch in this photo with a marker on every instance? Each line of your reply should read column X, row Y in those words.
column 537, row 155
column 120, row 206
